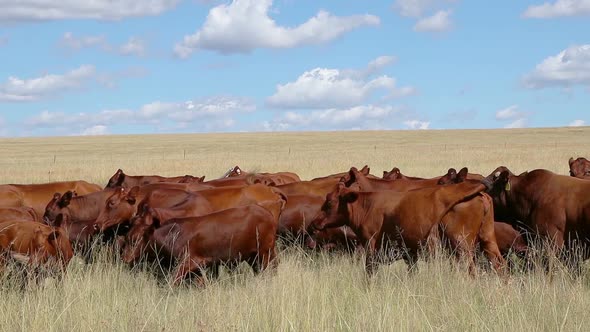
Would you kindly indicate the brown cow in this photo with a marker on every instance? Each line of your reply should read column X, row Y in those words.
column 246, row 233
column 466, row 225
column 580, row 168
column 120, row 179
column 365, row 170
column 37, row 241
column 402, row 220
column 319, row 187
column 276, row 178
column 121, row 206
column 37, row 195
column 298, row 214
column 553, row 207
column 18, row 213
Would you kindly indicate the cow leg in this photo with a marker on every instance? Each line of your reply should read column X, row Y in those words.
column 487, row 238
column 371, row 263
column 266, row 259
column 187, row 266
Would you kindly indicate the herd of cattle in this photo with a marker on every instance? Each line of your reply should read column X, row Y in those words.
column 195, row 224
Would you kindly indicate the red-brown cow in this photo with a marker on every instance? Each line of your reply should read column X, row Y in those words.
column 276, row 178
column 36, row 196
column 121, row 206
column 553, row 207
column 37, row 241
column 392, row 219
column 245, row 233
column 365, row 170
column 580, row 168
column 120, row 179
column 18, row 213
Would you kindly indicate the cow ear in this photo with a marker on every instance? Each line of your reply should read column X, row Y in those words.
column 571, row 161
column 504, row 176
column 350, row 197
column 201, row 179
column 452, row 172
column 365, row 170
column 65, row 199
column 132, row 195
column 462, row 175
column 120, row 177
column 56, row 196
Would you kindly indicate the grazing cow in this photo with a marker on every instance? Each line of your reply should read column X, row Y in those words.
column 388, row 219
column 245, row 233
column 37, row 241
column 298, row 214
column 18, row 213
column 276, row 178
column 553, row 207
column 36, row 196
column 120, row 179
column 580, row 168
column 121, row 206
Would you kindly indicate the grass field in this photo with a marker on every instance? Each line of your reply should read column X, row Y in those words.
column 309, row 291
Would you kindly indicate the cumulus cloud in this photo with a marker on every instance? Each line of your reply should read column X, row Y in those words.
column 417, row 8
column 32, row 89
column 570, row 67
column 336, row 88
column 559, row 8
column 577, row 123
column 417, row 124
column 206, row 114
column 133, row 46
column 517, row 118
column 438, row 22
column 245, row 25
column 44, row 10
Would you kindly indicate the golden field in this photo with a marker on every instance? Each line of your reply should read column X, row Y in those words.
column 309, row 291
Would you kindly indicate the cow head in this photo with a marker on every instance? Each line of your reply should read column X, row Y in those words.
column 117, row 209
column 394, row 174
column 499, row 186
column 58, row 207
column 356, row 178
column 192, row 179
column 137, row 239
column 335, row 210
column 453, row 177
column 53, row 242
column 116, row 180
column 580, row 167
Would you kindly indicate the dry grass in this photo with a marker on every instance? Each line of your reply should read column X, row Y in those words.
column 308, row 292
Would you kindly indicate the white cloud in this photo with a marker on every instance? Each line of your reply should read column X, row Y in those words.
column 508, row 113
column 570, row 67
column 577, row 123
column 95, row 131
column 440, row 21
column 518, row 123
column 18, row 89
column 43, row 10
column 335, row 88
column 358, row 117
column 245, row 25
column 134, row 46
column 559, row 8
column 517, row 118
column 417, row 8
column 417, row 124
column 214, row 113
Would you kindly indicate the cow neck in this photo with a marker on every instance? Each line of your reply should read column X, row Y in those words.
column 360, row 210
column 87, row 207
column 516, row 201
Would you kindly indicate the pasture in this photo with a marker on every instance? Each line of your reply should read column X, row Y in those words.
column 309, row 291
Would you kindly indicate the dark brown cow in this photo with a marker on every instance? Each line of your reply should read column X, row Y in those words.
column 245, row 233
column 553, row 207
column 35, row 240
column 298, row 214
column 18, row 213
column 392, row 219
column 120, row 179
column 277, row 178
column 121, row 206
column 580, row 168
column 36, row 196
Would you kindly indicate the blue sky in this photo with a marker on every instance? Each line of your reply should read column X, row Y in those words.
column 162, row 66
